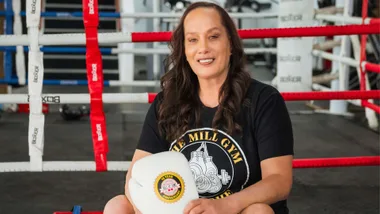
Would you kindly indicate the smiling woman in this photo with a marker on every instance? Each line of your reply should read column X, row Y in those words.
column 234, row 131
column 206, row 67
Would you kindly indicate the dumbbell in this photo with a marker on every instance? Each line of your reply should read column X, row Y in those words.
column 224, row 177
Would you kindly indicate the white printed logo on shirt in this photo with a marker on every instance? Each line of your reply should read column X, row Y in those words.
column 217, row 162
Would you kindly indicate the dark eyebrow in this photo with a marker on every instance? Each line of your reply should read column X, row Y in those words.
column 211, row 29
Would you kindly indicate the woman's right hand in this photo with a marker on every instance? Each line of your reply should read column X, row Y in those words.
column 138, row 155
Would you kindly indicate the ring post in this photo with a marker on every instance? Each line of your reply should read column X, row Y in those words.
column 340, row 106
column 126, row 60
column 294, row 58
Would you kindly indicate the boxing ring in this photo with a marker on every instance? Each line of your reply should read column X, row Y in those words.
column 32, row 42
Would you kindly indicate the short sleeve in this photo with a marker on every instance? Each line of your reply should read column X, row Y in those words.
column 150, row 139
column 273, row 127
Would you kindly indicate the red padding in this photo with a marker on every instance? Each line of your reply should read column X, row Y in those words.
column 336, row 162
column 24, row 108
column 95, row 83
column 275, row 32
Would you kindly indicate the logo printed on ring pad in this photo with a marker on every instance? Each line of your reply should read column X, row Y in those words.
column 169, row 187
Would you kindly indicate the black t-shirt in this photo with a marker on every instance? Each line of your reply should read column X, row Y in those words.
column 224, row 164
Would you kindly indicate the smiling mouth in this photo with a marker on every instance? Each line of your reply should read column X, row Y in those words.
column 206, row 61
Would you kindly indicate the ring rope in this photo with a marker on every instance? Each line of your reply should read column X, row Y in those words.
column 124, row 165
column 149, row 97
column 95, row 86
column 113, row 38
column 311, row 31
column 374, row 107
column 363, row 48
column 139, row 15
column 348, row 61
column 347, row 19
column 336, row 162
column 142, row 51
column 371, row 67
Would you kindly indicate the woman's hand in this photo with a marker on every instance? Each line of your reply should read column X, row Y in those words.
column 209, row 206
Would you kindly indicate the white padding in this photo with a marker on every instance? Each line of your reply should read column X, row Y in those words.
column 36, row 134
column 36, row 72
column 17, row 29
column 33, row 13
column 33, row 34
column 35, row 104
column 20, row 65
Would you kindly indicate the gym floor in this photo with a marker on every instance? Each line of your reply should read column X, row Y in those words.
column 345, row 190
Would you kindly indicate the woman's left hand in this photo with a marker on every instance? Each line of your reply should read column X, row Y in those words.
column 208, row 206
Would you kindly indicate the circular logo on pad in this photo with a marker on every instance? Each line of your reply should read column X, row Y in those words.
column 169, row 187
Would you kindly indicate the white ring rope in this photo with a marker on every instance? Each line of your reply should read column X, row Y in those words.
column 77, row 98
column 20, row 57
column 63, row 166
column 329, row 56
column 35, row 78
column 345, row 19
column 61, row 39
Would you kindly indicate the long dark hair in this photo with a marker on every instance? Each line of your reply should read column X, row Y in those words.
column 180, row 105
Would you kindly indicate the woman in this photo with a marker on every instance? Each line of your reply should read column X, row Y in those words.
column 235, row 131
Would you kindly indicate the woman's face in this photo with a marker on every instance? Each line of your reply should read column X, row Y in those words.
column 207, row 46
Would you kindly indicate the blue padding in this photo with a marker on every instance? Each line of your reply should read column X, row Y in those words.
column 106, row 83
column 66, row 14
column 77, row 209
column 8, row 57
column 57, row 49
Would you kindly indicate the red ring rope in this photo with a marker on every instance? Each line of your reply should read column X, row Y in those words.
column 318, row 95
column 275, row 32
column 331, row 95
column 312, row 163
column 95, row 83
column 336, row 162
column 363, row 44
column 374, row 21
column 372, row 67
column 372, row 106
column 367, row 66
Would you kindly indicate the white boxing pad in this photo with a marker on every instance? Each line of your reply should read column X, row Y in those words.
column 162, row 183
